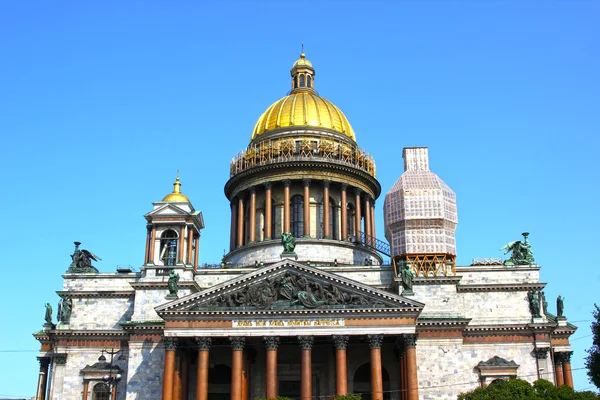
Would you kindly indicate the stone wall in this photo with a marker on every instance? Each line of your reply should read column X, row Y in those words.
column 100, row 312
column 146, row 364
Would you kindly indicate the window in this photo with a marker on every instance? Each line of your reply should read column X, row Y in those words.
column 302, row 81
column 297, row 217
column 168, row 247
column 101, row 392
column 309, row 80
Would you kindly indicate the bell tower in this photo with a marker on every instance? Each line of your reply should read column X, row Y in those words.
column 173, row 236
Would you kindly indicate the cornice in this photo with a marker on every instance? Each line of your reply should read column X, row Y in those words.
column 435, row 280
column 500, row 287
column 487, row 268
column 313, row 313
column 154, row 325
column 79, row 333
column 428, row 323
column 96, row 293
column 154, row 285
column 508, row 329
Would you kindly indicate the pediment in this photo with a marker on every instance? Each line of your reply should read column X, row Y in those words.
column 167, row 209
column 288, row 286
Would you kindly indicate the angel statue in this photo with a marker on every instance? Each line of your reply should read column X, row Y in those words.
column 521, row 252
column 82, row 261
column 288, row 241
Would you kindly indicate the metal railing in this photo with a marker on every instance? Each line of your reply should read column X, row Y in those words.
column 372, row 242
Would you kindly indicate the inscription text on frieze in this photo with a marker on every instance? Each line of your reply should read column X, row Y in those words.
column 282, row 323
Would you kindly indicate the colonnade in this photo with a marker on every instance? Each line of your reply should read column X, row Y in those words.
column 362, row 202
column 562, row 368
column 176, row 387
column 189, row 242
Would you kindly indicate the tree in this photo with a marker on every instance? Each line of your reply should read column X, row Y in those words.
column 518, row 389
column 592, row 361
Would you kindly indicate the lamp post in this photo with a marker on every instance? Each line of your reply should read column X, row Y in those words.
column 110, row 379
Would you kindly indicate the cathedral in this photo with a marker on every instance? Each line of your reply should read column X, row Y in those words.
column 303, row 304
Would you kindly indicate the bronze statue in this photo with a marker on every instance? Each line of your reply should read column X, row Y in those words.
column 82, row 261
column 64, row 310
column 560, row 306
column 48, row 316
column 173, row 283
column 534, row 303
column 407, row 275
column 288, row 241
column 521, row 252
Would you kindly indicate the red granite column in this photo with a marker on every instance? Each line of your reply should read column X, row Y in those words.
column 152, row 244
column 181, row 243
column 233, row 227
column 306, row 183
column 375, row 342
column 86, row 389
column 237, row 358
column 244, row 377
column 240, row 222
column 373, row 231
column 341, row 373
column 203, row 346
column 326, row 216
column 190, row 239
column 412, row 382
column 169, row 369
column 403, row 374
column 368, row 219
column 568, row 376
column 268, row 211
column 306, row 344
column 196, row 251
column 147, row 250
column 252, row 222
column 344, row 212
column 286, row 205
column 357, row 215
column 185, row 375
column 271, row 345
column 43, row 377
column 177, row 387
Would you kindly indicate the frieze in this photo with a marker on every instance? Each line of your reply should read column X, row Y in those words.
column 286, row 323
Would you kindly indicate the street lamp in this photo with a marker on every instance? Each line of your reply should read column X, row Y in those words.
column 110, row 379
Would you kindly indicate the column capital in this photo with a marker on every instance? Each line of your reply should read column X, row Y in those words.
column 306, row 342
column 562, row 356
column 306, row 182
column 268, row 185
column 326, row 183
column 237, row 342
column 541, row 353
column 340, row 341
column 271, row 342
column 287, row 183
column 60, row 358
column 344, row 187
column 203, row 343
column 410, row 340
column 170, row 343
column 44, row 362
column 357, row 191
column 375, row 341
column 252, row 189
column 372, row 202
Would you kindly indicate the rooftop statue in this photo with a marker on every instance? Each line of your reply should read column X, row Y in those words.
column 288, row 241
column 560, row 306
column 407, row 275
column 521, row 252
column 82, row 261
column 64, row 310
column 173, row 283
column 48, row 316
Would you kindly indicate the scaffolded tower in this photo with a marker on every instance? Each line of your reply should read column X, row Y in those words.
column 420, row 218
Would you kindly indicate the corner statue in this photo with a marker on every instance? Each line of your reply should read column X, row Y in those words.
column 407, row 275
column 560, row 306
column 173, row 284
column 288, row 241
column 82, row 261
column 48, row 316
column 521, row 252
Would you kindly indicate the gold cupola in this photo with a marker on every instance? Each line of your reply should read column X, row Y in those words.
column 176, row 196
column 303, row 107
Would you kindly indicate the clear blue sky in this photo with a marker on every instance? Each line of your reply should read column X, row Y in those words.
column 101, row 103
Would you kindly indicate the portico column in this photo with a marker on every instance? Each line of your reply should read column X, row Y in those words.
column 375, row 342
column 306, row 344
column 233, row 228
column 306, row 183
column 86, row 389
column 558, row 369
column 147, row 250
column 177, row 388
column 152, row 244
column 341, row 373
column 237, row 358
column 190, row 244
column 567, row 369
column 43, row 377
column 252, row 227
column 240, row 221
column 203, row 346
column 271, row 344
column 185, row 375
column 344, row 212
column 197, row 250
column 403, row 374
column 268, row 211
column 181, row 244
column 357, row 215
column 412, row 382
column 368, row 219
column 169, row 369
column 286, row 205
column 326, row 216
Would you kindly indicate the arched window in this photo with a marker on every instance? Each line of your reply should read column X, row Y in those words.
column 101, row 392
column 295, row 81
column 297, row 217
column 168, row 247
column 302, row 80
column 309, row 81
column 350, row 220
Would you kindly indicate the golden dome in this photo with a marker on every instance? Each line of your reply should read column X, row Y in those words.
column 306, row 109
column 176, row 196
column 302, row 61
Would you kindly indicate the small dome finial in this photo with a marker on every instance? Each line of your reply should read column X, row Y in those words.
column 176, row 195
